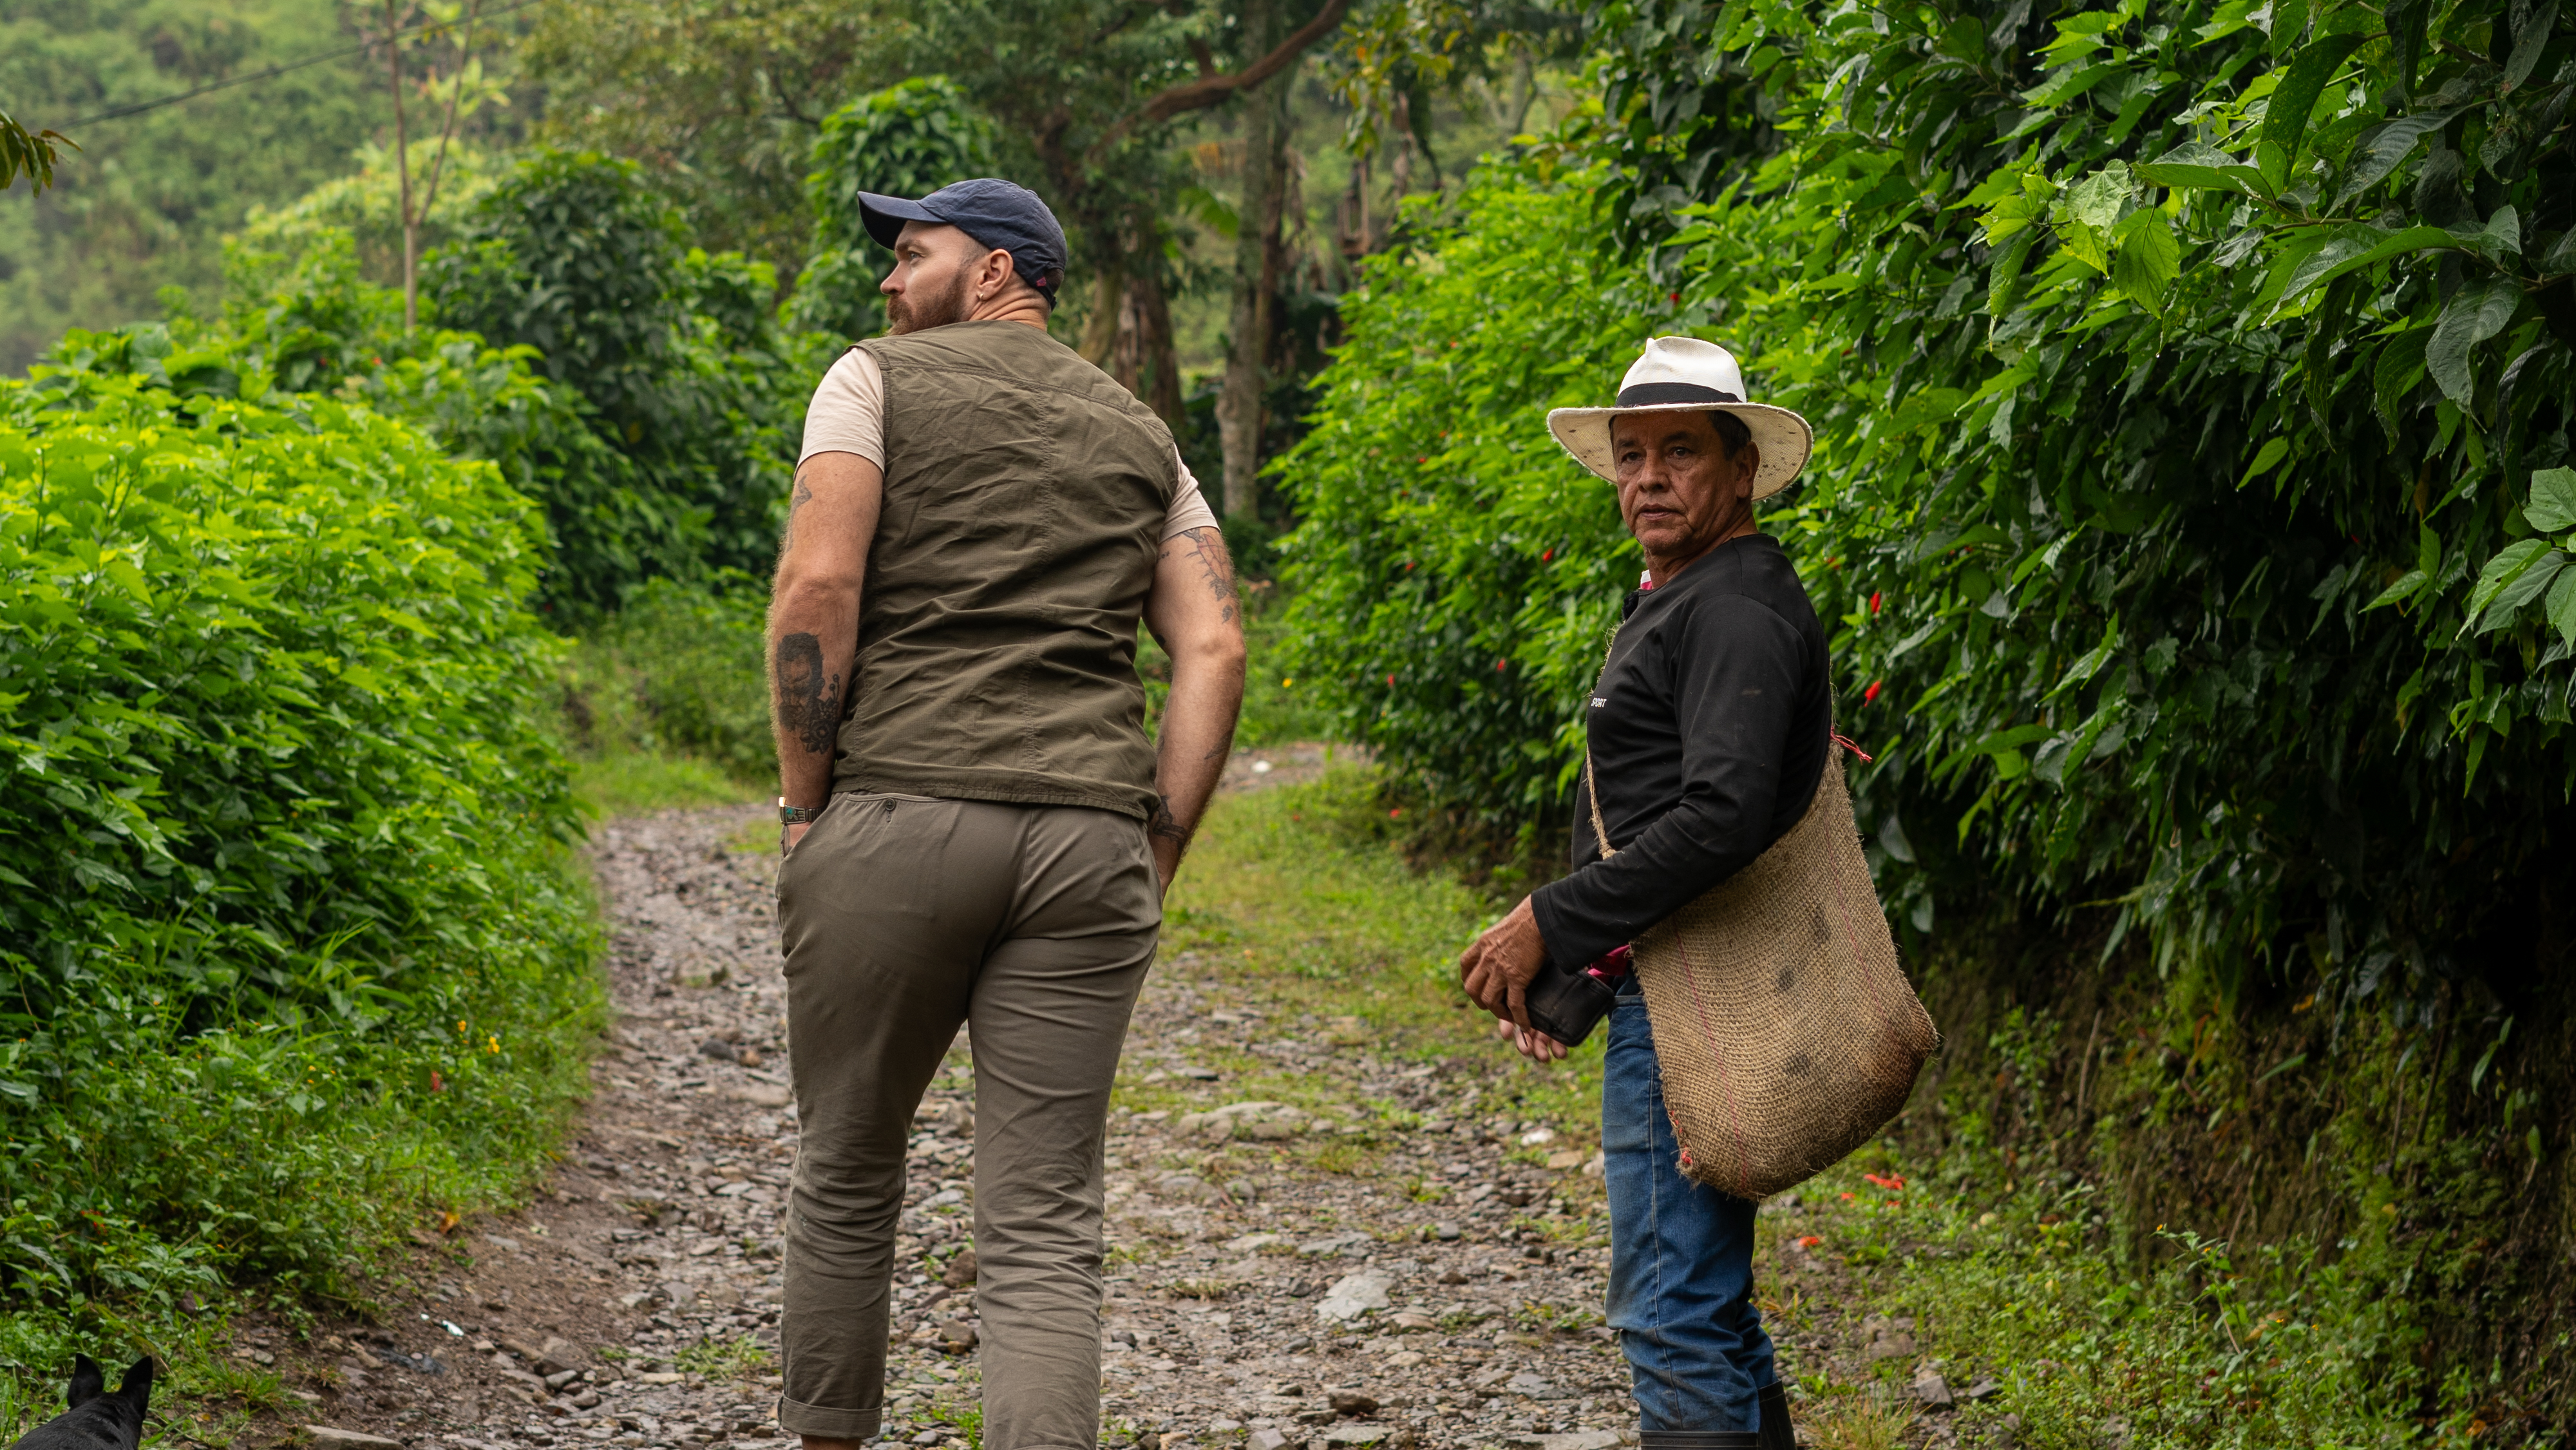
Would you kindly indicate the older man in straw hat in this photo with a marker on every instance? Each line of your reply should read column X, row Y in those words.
column 1708, row 735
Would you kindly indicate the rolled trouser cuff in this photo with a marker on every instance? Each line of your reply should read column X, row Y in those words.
column 829, row 1422
column 1698, row 1440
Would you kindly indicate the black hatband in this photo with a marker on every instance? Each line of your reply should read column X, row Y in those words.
column 1647, row 395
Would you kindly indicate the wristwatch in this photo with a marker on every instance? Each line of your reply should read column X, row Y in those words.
column 796, row 815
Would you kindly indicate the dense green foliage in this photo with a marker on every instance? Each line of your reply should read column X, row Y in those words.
column 2191, row 393
column 909, row 140
column 690, row 382
column 281, row 822
column 1457, row 571
column 721, row 97
column 680, row 671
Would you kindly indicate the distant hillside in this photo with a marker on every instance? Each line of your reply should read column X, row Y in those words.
column 146, row 200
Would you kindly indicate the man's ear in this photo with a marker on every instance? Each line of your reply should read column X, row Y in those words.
column 996, row 271
column 1749, row 459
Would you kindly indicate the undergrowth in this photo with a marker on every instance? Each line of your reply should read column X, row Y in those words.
column 294, row 952
column 1299, row 898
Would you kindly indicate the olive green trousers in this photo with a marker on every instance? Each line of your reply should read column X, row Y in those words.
column 903, row 916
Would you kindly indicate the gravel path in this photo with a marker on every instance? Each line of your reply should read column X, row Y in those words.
column 1386, row 1261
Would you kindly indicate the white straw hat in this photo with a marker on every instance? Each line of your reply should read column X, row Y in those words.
column 1686, row 375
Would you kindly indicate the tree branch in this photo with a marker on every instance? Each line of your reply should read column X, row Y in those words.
column 1207, row 91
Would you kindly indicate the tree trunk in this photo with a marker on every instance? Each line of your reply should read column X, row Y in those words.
column 1399, row 172
column 1256, row 281
column 1144, row 360
column 402, row 169
column 1100, row 326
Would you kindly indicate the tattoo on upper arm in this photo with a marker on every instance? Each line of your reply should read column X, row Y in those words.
column 809, row 701
column 1215, row 570
column 804, row 495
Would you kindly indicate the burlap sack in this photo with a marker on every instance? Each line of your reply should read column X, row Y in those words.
column 1787, row 1032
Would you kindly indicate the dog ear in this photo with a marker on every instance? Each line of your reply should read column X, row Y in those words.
column 88, row 1380
column 137, row 1387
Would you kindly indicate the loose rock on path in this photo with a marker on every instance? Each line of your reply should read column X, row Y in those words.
column 1406, row 1269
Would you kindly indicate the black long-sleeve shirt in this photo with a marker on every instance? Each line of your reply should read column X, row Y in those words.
column 1708, row 733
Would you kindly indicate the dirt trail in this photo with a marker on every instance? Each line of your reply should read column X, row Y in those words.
column 1290, row 1304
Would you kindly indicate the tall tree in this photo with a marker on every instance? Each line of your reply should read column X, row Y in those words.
column 722, row 100
column 1266, row 133
column 1086, row 90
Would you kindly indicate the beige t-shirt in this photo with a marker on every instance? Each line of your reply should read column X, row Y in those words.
column 848, row 416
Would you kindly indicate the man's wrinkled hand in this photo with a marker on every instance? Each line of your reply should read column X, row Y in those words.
column 1497, row 968
column 790, row 835
column 1533, row 1044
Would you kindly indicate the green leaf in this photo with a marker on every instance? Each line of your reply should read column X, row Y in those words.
column 2500, row 238
column 2096, row 200
column 2148, row 263
column 2521, row 590
column 2562, row 607
column 2361, row 247
column 2090, row 664
column 2389, row 146
column 2399, row 367
column 2285, row 119
column 2504, row 585
column 2479, row 312
column 2197, row 166
column 2528, row 43
column 2553, row 500
column 2399, row 592
column 128, row 578
column 2265, row 458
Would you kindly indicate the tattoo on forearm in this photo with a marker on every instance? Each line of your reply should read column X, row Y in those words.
column 1215, row 570
column 1167, row 825
column 809, row 701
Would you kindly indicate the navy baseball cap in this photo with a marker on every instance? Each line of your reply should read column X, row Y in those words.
column 1000, row 214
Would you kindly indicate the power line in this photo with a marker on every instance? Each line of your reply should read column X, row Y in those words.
column 119, row 113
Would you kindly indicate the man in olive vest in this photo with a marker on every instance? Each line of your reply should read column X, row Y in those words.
column 978, row 829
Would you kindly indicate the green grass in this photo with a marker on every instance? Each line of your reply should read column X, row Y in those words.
column 2205, row 1347
column 1297, row 896
column 634, row 783
column 740, row 1358
column 1275, row 711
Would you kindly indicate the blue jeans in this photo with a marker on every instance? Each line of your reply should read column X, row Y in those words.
column 1681, row 1255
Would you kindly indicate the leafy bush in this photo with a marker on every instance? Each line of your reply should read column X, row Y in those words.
column 909, row 139
column 680, row 671
column 1456, row 575
column 282, row 828
column 688, row 379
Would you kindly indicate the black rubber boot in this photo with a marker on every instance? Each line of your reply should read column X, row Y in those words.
column 1698, row 1440
column 1776, row 1433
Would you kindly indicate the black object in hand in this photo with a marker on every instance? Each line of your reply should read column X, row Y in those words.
column 1565, row 1004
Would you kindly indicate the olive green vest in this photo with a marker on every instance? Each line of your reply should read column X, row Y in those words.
column 1025, row 493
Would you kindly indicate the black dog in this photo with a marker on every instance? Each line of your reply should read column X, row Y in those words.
column 97, row 1420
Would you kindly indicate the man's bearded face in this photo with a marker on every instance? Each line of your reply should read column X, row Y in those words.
column 933, row 281
column 925, row 304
